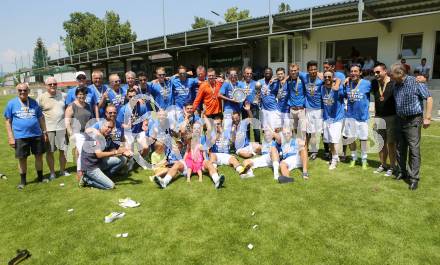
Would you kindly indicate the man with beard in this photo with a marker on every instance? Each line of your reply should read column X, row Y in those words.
column 385, row 117
column 268, row 98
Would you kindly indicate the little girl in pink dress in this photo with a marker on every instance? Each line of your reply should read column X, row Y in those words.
column 194, row 160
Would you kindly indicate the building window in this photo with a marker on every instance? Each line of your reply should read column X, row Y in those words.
column 412, row 46
column 277, row 50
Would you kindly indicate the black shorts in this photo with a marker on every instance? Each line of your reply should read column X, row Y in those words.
column 24, row 146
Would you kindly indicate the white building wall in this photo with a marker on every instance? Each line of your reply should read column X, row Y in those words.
column 389, row 43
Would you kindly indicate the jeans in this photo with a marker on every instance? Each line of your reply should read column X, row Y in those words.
column 408, row 141
column 98, row 179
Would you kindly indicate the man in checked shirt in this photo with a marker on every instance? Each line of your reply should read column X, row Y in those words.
column 409, row 94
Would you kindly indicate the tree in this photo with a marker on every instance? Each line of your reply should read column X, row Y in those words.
column 40, row 54
column 200, row 22
column 40, row 58
column 85, row 31
column 283, row 7
column 232, row 14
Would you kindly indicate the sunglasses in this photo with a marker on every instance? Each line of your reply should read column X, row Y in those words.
column 327, row 77
column 81, row 78
column 161, row 75
column 377, row 72
column 22, row 90
column 116, row 81
column 113, row 112
column 52, row 84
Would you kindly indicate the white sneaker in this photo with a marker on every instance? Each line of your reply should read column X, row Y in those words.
column 380, row 169
column 52, row 176
column 159, row 181
column 247, row 175
column 333, row 165
column 64, row 174
column 113, row 216
column 128, row 203
column 389, row 173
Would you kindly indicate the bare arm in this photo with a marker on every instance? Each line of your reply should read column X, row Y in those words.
column 427, row 119
column 67, row 120
column 11, row 139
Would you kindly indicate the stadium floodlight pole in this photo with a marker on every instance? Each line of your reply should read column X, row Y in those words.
column 163, row 22
column 270, row 18
column 105, row 33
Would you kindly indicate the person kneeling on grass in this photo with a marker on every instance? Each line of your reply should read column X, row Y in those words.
column 293, row 155
column 97, row 159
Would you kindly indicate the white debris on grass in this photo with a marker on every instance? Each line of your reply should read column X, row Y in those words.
column 254, row 227
column 250, row 246
column 70, row 210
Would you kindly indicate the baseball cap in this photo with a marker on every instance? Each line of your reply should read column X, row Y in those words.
column 78, row 74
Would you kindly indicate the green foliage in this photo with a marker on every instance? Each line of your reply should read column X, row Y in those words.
column 40, row 54
column 232, row 14
column 283, row 7
column 85, row 31
column 200, row 22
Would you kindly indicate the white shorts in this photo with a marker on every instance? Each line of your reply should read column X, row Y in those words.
column 293, row 162
column 248, row 149
column 261, row 161
column 285, row 120
column 355, row 129
column 332, row 132
column 271, row 119
column 314, row 120
column 222, row 159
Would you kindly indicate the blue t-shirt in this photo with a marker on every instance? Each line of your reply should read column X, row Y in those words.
column 116, row 136
column 24, row 117
column 91, row 98
column 313, row 91
column 116, row 98
column 269, row 95
column 241, row 137
column 266, row 146
column 333, row 103
column 134, row 114
column 358, row 102
column 162, row 94
column 227, row 90
column 297, row 92
column 249, row 89
column 184, row 91
column 98, row 95
column 340, row 76
column 222, row 144
column 289, row 149
column 283, row 97
column 124, row 89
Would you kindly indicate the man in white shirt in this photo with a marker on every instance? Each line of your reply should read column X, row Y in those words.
column 424, row 69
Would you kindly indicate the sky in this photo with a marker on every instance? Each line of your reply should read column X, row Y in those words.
column 22, row 22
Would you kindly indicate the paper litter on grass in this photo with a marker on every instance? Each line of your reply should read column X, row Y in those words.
column 254, row 227
column 250, row 246
column 70, row 210
column 61, row 184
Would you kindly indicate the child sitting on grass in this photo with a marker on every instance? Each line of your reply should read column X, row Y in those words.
column 158, row 160
column 193, row 158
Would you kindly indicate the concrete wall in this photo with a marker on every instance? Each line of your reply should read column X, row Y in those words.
column 389, row 43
